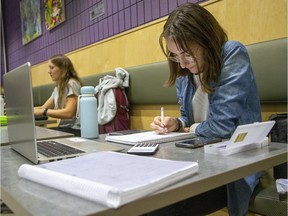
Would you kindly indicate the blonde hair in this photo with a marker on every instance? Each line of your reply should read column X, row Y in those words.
column 64, row 64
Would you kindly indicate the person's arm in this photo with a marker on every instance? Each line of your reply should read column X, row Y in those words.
column 49, row 104
column 169, row 125
column 69, row 110
column 230, row 104
column 184, row 90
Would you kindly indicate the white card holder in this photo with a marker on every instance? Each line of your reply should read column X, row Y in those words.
column 244, row 138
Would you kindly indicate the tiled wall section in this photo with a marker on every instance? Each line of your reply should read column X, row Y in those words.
column 78, row 31
column 2, row 57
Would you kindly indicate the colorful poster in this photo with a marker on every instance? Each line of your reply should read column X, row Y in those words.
column 30, row 20
column 54, row 13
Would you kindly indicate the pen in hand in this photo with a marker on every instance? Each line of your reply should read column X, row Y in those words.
column 162, row 116
column 160, row 129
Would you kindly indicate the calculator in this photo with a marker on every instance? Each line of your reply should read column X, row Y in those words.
column 144, row 149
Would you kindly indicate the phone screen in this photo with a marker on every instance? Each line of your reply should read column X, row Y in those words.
column 197, row 142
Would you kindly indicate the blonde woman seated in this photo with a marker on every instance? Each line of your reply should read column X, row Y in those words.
column 63, row 101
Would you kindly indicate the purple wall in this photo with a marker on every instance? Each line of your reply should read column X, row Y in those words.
column 78, row 31
column 1, row 59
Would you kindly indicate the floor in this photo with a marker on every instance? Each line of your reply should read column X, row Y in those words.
column 224, row 212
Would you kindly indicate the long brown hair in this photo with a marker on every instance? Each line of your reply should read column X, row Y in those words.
column 192, row 24
column 64, row 64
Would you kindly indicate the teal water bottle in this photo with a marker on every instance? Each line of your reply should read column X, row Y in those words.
column 88, row 113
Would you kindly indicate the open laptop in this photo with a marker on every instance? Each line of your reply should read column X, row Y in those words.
column 21, row 123
column 42, row 133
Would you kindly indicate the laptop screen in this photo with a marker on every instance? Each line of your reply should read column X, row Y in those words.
column 20, row 111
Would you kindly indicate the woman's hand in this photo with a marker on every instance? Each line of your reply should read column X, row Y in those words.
column 168, row 125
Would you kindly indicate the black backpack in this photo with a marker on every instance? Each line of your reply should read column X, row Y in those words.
column 279, row 134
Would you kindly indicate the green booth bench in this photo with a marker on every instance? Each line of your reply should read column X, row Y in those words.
column 269, row 62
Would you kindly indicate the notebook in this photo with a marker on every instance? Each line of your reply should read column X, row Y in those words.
column 110, row 178
column 149, row 137
column 21, row 122
column 244, row 138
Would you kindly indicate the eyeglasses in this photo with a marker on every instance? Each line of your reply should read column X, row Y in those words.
column 185, row 57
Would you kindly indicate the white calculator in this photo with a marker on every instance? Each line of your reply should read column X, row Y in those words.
column 144, row 149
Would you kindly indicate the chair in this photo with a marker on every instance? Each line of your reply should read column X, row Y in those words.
column 266, row 200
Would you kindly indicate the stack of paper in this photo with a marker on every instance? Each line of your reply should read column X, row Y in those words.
column 150, row 137
column 109, row 178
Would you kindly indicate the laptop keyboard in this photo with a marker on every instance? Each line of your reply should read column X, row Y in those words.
column 51, row 148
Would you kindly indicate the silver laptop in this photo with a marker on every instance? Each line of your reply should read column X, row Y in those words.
column 42, row 133
column 21, row 123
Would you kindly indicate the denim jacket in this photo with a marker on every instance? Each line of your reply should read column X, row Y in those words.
column 235, row 100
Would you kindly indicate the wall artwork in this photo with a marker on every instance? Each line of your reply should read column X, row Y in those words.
column 30, row 20
column 54, row 13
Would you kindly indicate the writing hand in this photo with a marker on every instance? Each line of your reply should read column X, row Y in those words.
column 168, row 125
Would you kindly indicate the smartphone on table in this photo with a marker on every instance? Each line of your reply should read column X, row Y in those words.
column 197, row 142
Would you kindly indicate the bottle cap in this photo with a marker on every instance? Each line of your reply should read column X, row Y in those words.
column 87, row 90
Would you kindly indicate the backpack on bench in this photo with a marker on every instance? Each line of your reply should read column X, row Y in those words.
column 113, row 104
column 279, row 134
column 121, row 120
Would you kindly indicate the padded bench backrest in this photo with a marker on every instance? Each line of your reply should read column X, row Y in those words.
column 145, row 84
column 269, row 62
column 42, row 93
